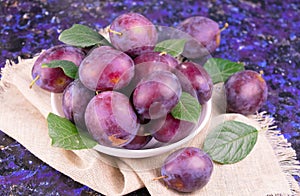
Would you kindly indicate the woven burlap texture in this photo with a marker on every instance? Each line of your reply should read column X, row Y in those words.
column 23, row 117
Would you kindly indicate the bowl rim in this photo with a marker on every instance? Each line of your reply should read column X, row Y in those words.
column 148, row 152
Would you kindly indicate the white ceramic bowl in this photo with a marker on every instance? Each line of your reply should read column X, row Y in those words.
column 154, row 147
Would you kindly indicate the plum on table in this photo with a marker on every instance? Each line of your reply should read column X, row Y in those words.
column 246, row 92
column 187, row 169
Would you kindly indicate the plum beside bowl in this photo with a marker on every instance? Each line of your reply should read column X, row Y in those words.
column 154, row 147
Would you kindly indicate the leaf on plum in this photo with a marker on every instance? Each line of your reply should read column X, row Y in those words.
column 221, row 69
column 64, row 134
column 82, row 36
column 230, row 142
column 188, row 108
column 69, row 68
column 173, row 47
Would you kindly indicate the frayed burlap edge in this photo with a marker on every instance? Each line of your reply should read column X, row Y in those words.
column 283, row 150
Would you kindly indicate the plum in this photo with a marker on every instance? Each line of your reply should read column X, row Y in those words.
column 195, row 80
column 138, row 142
column 172, row 130
column 133, row 33
column 246, row 92
column 205, row 32
column 75, row 99
column 111, row 120
column 106, row 68
column 187, row 169
column 156, row 94
column 54, row 79
column 149, row 62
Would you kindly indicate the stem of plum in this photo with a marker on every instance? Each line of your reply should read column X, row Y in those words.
column 34, row 81
column 226, row 25
column 261, row 72
column 115, row 32
column 218, row 39
column 162, row 53
column 116, row 141
column 159, row 177
column 147, row 134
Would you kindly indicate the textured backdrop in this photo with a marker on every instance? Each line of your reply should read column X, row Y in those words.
column 263, row 35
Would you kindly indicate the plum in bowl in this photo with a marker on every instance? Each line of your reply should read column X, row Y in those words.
column 125, row 93
column 154, row 147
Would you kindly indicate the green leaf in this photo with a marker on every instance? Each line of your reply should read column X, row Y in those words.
column 64, row 134
column 82, row 36
column 220, row 69
column 230, row 142
column 173, row 47
column 69, row 68
column 188, row 108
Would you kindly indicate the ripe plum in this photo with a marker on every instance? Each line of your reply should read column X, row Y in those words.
column 75, row 99
column 138, row 142
column 195, row 80
column 106, row 69
column 133, row 33
column 110, row 119
column 54, row 79
column 187, row 169
column 246, row 92
column 204, row 31
column 156, row 94
column 149, row 62
column 172, row 130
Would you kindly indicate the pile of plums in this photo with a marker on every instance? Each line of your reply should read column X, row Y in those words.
column 125, row 92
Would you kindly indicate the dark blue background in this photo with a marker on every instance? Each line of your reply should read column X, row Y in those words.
column 264, row 35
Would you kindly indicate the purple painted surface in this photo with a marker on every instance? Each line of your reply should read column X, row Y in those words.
column 264, row 35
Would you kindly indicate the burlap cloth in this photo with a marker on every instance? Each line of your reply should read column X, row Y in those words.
column 266, row 171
